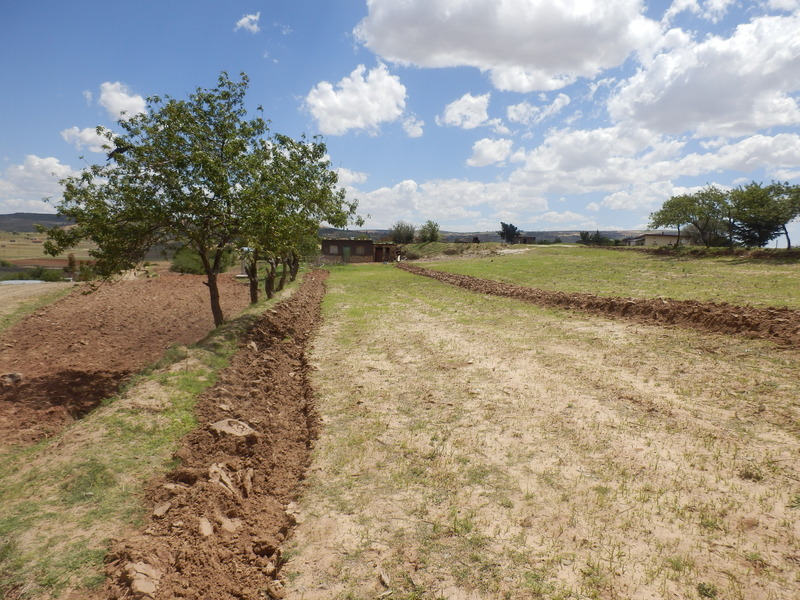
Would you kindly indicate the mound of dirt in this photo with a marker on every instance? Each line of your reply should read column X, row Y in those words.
column 781, row 325
column 219, row 519
column 70, row 355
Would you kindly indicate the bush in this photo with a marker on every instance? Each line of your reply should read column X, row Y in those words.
column 187, row 260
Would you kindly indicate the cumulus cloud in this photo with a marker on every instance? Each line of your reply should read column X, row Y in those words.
column 249, row 23
column 119, row 101
column 363, row 100
column 452, row 200
column 529, row 114
column 413, row 127
column 525, row 46
column 488, row 152
column 720, row 86
column 468, row 112
column 347, row 177
column 84, row 138
column 23, row 187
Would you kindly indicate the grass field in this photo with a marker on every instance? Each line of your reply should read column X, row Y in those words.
column 481, row 448
column 624, row 273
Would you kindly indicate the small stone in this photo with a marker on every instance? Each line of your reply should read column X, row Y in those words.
column 144, row 586
column 233, row 427
column 206, row 528
column 162, row 509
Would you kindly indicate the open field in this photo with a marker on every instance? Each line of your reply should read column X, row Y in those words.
column 628, row 273
column 471, row 447
column 479, row 447
column 16, row 247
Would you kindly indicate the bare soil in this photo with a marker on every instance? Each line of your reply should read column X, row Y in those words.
column 66, row 357
column 220, row 518
column 780, row 325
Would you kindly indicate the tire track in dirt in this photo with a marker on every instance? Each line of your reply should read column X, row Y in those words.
column 780, row 325
column 219, row 519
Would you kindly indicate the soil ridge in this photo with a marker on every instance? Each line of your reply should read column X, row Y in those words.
column 780, row 325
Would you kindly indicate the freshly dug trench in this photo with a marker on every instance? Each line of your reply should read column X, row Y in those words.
column 218, row 520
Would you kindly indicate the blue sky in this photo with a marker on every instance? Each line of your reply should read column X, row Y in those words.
column 548, row 114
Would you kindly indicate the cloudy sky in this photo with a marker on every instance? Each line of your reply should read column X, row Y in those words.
column 548, row 114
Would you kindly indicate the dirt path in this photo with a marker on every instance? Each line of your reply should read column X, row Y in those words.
column 220, row 518
column 781, row 325
column 73, row 353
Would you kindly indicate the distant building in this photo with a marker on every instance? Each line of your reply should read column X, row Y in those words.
column 656, row 238
column 358, row 251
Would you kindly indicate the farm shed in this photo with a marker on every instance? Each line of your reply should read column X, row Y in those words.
column 655, row 238
column 352, row 251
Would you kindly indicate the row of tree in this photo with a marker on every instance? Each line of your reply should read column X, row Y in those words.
column 751, row 215
column 403, row 232
column 199, row 173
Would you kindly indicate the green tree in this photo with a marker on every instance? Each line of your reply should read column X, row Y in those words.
column 509, row 233
column 192, row 172
column 302, row 194
column 756, row 218
column 429, row 232
column 705, row 211
column 402, row 232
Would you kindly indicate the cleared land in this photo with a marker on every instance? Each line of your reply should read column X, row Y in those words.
column 480, row 447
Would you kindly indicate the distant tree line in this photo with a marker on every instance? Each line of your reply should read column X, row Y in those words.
column 751, row 215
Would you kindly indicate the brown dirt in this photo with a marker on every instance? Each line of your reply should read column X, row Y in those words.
column 781, row 325
column 80, row 349
column 219, row 519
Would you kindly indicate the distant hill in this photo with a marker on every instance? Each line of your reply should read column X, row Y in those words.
column 25, row 222
column 567, row 237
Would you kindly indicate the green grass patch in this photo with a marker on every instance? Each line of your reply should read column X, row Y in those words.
column 733, row 279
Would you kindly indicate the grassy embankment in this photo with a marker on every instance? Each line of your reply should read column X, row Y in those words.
column 477, row 447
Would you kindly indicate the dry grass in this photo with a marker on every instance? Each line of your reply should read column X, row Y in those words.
column 476, row 447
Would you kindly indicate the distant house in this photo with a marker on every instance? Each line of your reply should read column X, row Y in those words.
column 656, row 238
column 358, row 251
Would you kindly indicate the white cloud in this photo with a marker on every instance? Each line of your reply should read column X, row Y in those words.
column 720, row 86
column 85, row 138
column 348, row 177
column 448, row 200
column 487, row 152
column 413, row 127
column 23, row 187
column 468, row 112
column 119, row 102
column 528, row 114
column 357, row 101
column 249, row 23
column 524, row 45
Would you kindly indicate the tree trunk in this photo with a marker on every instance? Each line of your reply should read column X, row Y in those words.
column 269, row 279
column 213, row 291
column 251, row 269
column 788, row 241
column 284, row 273
column 295, row 266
